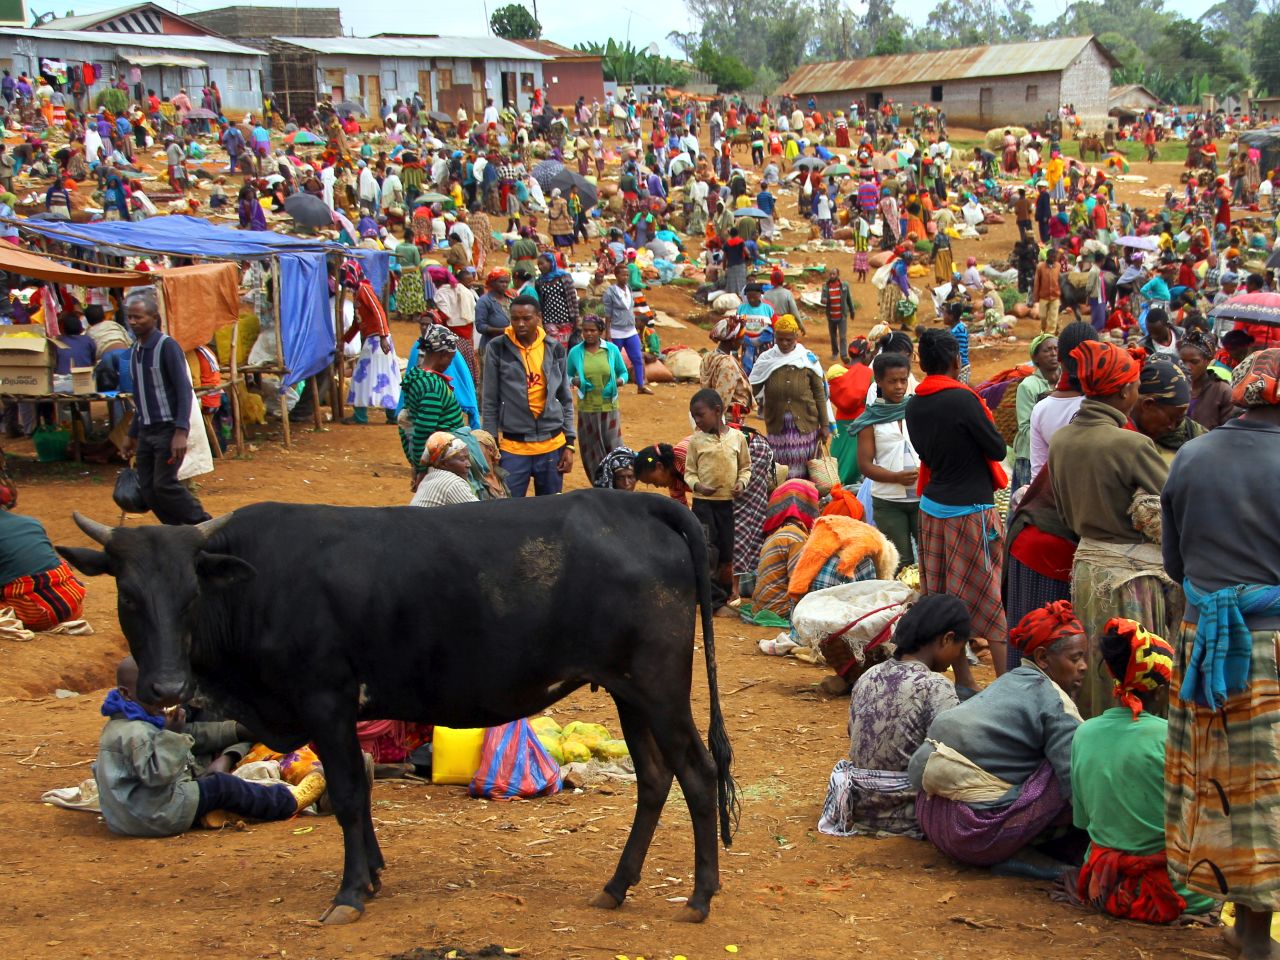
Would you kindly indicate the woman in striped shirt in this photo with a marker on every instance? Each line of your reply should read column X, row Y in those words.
column 429, row 403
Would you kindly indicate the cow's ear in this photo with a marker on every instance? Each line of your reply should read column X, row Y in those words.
column 91, row 563
column 223, row 570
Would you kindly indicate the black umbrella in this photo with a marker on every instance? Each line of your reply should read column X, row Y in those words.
column 308, row 210
column 1273, row 261
column 350, row 106
column 567, row 178
column 439, row 116
column 546, row 171
column 805, row 162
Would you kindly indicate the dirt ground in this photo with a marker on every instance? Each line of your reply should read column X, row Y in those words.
column 466, row 873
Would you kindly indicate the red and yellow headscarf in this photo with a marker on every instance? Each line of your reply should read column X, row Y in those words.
column 1044, row 627
column 1150, row 663
column 1104, row 368
column 1256, row 381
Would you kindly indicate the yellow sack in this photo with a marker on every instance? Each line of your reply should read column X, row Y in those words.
column 545, row 725
column 574, row 751
column 551, row 743
column 579, row 729
column 612, row 750
column 455, row 754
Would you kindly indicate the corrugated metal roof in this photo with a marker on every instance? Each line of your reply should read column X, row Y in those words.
column 88, row 19
column 151, row 41
column 488, row 48
column 965, row 63
column 557, row 50
column 1131, row 92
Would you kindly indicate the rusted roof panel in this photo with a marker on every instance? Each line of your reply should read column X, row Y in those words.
column 1008, row 59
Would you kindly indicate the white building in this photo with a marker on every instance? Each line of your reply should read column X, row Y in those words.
column 448, row 72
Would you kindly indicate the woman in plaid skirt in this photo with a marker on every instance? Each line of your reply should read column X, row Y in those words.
column 960, row 450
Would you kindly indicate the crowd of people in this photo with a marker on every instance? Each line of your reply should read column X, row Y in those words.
column 1077, row 537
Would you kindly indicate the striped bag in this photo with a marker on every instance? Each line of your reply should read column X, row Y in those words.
column 514, row 763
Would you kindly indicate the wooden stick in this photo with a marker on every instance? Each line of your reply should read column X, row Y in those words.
column 236, row 415
column 336, row 402
column 275, row 312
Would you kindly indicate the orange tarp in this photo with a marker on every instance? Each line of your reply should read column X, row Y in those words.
column 29, row 264
column 198, row 300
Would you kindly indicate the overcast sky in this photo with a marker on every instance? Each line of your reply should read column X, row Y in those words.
column 565, row 21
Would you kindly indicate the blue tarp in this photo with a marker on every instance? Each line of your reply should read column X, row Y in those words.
column 306, row 319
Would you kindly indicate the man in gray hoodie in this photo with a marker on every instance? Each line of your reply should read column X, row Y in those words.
column 528, row 403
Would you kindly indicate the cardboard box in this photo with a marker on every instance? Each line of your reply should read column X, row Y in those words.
column 82, row 380
column 26, row 365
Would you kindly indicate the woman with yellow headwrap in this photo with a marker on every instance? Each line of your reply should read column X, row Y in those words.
column 1117, row 786
column 789, row 386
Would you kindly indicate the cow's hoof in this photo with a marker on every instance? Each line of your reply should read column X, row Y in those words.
column 605, row 901
column 375, row 886
column 690, row 915
column 340, row 913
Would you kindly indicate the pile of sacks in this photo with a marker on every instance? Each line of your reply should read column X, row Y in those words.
column 577, row 742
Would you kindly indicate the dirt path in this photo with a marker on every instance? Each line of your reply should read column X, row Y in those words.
column 466, row 873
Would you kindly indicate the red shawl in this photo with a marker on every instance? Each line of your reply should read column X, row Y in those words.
column 936, row 383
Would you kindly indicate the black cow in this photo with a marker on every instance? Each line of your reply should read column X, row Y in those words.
column 299, row 620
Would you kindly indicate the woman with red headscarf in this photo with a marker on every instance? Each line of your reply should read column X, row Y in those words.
column 994, row 772
column 1117, row 786
column 1098, row 469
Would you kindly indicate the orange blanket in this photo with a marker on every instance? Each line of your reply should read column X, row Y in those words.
column 852, row 540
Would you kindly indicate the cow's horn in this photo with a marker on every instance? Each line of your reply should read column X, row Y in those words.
column 210, row 527
column 96, row 531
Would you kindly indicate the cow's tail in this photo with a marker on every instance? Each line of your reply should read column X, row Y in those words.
column 717, row 737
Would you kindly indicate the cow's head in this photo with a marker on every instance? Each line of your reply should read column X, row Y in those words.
column 160, row 574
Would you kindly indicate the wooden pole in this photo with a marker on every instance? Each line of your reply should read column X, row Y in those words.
column 275, row 312
column 237, row 422
column 340, row 361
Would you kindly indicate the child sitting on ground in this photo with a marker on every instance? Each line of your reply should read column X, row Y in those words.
column 149, row 784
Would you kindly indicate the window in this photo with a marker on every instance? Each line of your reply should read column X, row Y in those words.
column 935, row 94
column 389, row 80
column 526, row 82
column 444, row 79
column 239, row 79
column 1033, row 92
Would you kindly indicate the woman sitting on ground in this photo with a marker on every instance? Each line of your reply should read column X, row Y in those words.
column 443, row 472
column 788, row 518
column 35, row 582
column 1117, row 786
column 892, row 706
column 995, row 772
column 842, row 550
column 617, row 471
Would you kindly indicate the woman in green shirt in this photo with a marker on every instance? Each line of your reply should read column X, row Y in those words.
column 1118, row 786
column 596, row 371
column 429, row 403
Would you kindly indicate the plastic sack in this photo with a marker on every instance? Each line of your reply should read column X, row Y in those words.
column 666, row 270
column 128, row 492
column 862, row 614
column 514, row 763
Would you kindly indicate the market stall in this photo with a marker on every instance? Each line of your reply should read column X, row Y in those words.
column 306, row 324
column 27, row 350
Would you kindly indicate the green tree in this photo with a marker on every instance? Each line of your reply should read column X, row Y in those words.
column 890, row 42
column 515, row 22
column 725, row 70
column 1266, row 59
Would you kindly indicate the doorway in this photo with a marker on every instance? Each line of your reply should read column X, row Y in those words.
column 985, row 104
